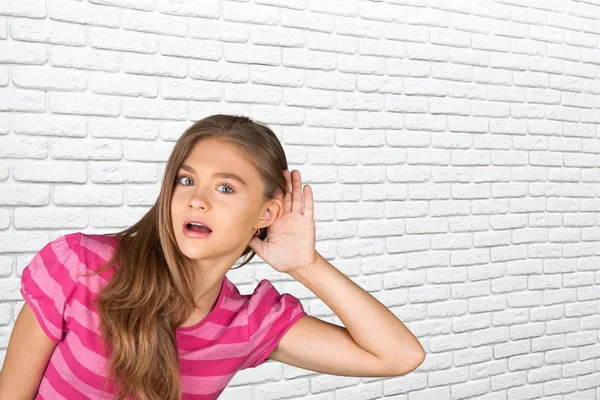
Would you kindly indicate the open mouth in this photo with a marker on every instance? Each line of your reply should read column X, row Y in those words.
column 194, row 227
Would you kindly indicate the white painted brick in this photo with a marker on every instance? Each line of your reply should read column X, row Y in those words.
column 3, row 28
column 22, row 100
column 124, row 84
column 209, row 9
column 145, row 151
column 3, row 76
column 329, row 80
column 345, row 9
column 154, row 65
column 276, row 76
column 24, row 194
column 123, row 173
column 50, row 171
column 37, row 77
column 23, row 53
column 5, row 315
column 153, row 109
column 77, row 149
column 4, row 170
column 145, row 5
column 17, row 147
column 238, row 53
column 123, row 128
column 16, row 242
column 76, row 195
column 248, row 13
column 50, row 125
column 89, row 59
column 153, row 23
column 190, row 90
column 142, row 195
column 276, row 36
column 201, row 28
column 82, row 13
column 309, row 21
column 5, row 218
column 116, row 218
column 48, row 31
column 115, row 39
column 190, row 48
column 24, row 8
column 84, row 104
column 50, row 218
column 356, row 28
column 258, row 94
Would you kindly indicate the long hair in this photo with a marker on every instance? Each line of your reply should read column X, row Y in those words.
column 151, row 292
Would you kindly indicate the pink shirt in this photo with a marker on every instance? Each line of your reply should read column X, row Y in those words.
column 240, row 332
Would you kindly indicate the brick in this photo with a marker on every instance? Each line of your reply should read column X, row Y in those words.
column 250, row 13
column 144, row 5
column 155, row 109
column 50, row 218
column 115, row 39
column 84, row 104
column 17, row 242
column 123, row 173
column 23, row 100
column 19, row 147
column 24, row 8
column 84, row 13
column 24, row 194
column 89, row 59
column 192, row 90
column 123, row 129
column 190, row 48
column 34, row 77
column 50, row 125
column 154, row 65
column 125, row 85
column 209, row 9
column 23, row 53
column 48, row 31
column 77, row 149
column 50, row 171
column 78, row 195
column 154, row 23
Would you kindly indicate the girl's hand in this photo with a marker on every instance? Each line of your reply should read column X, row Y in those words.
column 290, row 241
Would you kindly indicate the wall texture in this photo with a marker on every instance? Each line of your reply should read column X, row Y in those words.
column 452, row 146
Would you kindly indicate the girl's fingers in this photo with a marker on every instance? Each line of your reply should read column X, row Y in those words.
column 287, row 199
column 309, row 208
column 296, row 192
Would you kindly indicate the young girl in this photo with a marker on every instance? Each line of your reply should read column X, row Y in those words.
column 149, row 313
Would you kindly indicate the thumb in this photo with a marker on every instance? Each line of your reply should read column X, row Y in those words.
column 257, row 245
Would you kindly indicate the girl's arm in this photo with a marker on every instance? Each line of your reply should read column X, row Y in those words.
column 29, row 350
column 374, row 342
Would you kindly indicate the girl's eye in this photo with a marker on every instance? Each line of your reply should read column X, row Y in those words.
column 227, row 186
column 181, row 179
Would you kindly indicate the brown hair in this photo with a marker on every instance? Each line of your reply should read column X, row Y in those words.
column 151, row 293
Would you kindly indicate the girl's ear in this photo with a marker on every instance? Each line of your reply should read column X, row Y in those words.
column 272, row 211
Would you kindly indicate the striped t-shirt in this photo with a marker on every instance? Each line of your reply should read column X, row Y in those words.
column 238, row 333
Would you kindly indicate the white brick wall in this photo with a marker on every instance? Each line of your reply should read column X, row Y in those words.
column 452, row 146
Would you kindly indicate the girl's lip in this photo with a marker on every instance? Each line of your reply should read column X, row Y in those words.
column 194, row 234
column 196, row 220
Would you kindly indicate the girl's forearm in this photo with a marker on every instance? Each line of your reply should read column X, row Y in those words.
column 372, row 326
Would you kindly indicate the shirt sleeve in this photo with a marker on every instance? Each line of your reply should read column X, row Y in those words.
column 270, row 315
column 49, row 281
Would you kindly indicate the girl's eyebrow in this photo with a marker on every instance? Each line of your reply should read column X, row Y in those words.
column 218, row 174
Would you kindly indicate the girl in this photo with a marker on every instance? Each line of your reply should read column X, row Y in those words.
column 148, row 313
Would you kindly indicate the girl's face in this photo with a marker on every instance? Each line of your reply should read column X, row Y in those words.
column 230, row 207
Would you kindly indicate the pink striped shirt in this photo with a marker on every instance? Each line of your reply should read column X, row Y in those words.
column 239, row 332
